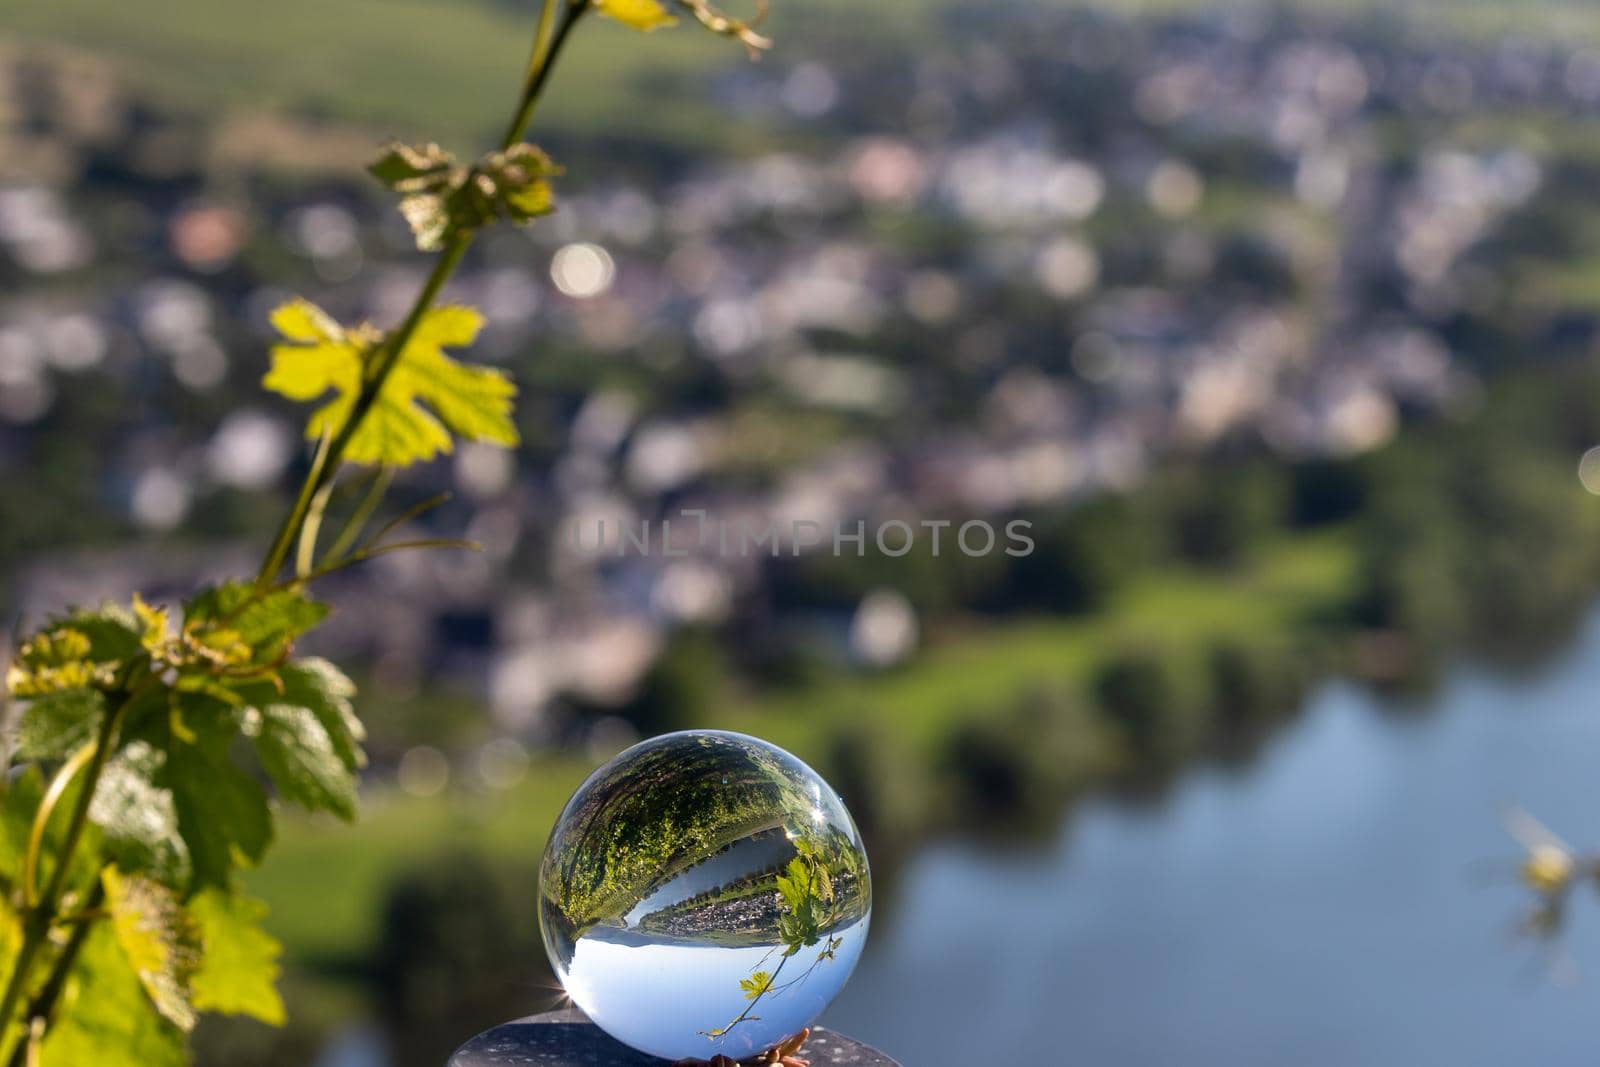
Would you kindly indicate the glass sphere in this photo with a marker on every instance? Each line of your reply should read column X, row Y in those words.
column 704, row 893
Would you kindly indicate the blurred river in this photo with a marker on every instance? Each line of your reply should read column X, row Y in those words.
column 1343, row 900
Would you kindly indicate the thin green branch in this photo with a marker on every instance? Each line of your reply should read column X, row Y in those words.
column 306, row 554
column 539, row 71
column 41, row 820
column 80, row 811
column 541, row 39
column 415, row 511
column 357, row 522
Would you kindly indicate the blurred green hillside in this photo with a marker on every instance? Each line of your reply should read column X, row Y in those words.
column 425, row 66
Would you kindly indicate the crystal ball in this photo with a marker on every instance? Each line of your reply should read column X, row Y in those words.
column 702, row 894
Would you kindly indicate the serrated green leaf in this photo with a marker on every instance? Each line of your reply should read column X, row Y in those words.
column 316, row 684
column 105, row 1019
column 57, row 724
column 222, row 812
column 756, row 985
column 265, row 621
column 303, row 321
column 300, row 758
column 137, row 818
column 239, row 966
column 159, row 939
column 112, row 630
column 642, row 15
column 426, row 397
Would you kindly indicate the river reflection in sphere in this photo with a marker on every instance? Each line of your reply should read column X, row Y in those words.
column 704, row 893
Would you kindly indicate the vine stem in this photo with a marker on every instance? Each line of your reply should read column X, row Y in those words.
column 41, row 820
column 324, row 468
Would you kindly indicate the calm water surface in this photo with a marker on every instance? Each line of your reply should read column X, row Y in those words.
column 1334, row 903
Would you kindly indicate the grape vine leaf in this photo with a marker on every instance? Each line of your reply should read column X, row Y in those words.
column 301, row 760
column 239, row 965
column 159, row 939
column 113, row 632
column 440, row 197
column 318, row 685
column 644, row 15
column 56, row 724
column 756, row 986
column 106, row 1019
column 137, row 818
column 426, row 397
column 222, row 812
column 266, row 622
column 515, row 184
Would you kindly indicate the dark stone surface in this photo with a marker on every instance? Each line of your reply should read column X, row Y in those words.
column 567, row 1039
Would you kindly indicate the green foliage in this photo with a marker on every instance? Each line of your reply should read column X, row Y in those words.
column 1481, row 534
column 265, row 622
column 315, row 685
column 1143, row 692
column 57, row 661
column 470, row 401
column 106, row 1016
column 223, row 817
column 157, row 707
column 54, row 724
column 1018, row 765
column 138, row 820
column 158, row 938
column 685, row 679
column 239, row 961
column 441, row 197
column 456, row 935
column 19, row 801
column 297, row 752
